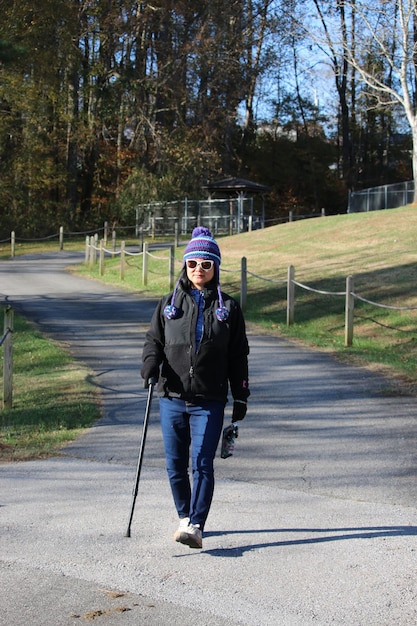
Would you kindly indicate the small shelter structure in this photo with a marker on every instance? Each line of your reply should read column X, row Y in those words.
column 242, row 189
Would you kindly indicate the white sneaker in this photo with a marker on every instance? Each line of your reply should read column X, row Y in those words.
column 189, row 534
column 184, row 523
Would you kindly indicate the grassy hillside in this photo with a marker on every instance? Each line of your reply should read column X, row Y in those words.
column 331, row 246
column 378, row 249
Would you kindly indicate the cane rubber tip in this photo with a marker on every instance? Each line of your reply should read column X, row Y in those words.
column 127, row 533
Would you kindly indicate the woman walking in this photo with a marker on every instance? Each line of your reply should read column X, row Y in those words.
column 197, row 349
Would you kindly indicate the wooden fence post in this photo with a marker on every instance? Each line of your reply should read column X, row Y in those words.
column 145, row 264
column 290, row 295
column 91, row 255
column 87, row 249
column 61, row 237
column 13, row 243
column 8, row 359
column 243, row 283
column 122, row 260
column 171, row 266
column 95, row 248
column 349, row 308
column 101, row 258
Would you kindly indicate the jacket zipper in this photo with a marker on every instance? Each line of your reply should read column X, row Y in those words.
column 192, row 350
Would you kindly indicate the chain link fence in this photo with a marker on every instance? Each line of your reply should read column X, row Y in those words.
column 223, row 216
column 383, row 197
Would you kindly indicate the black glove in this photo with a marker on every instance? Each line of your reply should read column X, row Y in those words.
column 149, row 370
column 239, row 410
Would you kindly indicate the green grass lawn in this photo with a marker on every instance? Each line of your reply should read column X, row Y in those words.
column 53, row 401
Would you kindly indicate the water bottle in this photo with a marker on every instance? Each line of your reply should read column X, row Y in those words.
column 230, row 433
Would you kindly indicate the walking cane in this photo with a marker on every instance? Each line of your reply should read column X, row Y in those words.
column 151, row 383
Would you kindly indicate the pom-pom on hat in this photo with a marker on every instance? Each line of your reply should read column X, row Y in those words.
column 202, row 245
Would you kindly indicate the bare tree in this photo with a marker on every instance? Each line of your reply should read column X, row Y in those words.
column 334, row 35
column 382, row 54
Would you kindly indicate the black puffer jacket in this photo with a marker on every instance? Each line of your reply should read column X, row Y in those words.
column 222, row 356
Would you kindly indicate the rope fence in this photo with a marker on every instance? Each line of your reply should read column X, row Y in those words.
column 62, row 235
column 157, row 226
column 323, row 293
column 92, row 248
column 95, row 250
column 384, row 306
column 349, row 294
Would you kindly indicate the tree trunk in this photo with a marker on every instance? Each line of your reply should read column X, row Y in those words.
column 414, row 129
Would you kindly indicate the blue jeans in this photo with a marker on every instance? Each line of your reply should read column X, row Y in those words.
column 198, row 426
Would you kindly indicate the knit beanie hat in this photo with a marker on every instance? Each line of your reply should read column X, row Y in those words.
column 202, row 245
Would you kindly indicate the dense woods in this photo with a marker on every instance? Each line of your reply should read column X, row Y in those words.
column 106, row 104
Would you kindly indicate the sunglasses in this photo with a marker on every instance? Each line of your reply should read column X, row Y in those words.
column 205, row 265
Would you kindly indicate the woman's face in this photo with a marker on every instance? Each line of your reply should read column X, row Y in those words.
column 199, row 272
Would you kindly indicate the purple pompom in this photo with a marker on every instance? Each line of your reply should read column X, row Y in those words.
column 200, row 231
column 222, row 314
column 170, row 311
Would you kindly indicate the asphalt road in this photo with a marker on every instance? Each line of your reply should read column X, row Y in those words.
column 313, row 520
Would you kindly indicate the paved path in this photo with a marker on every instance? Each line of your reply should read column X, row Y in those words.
column 313, row 521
